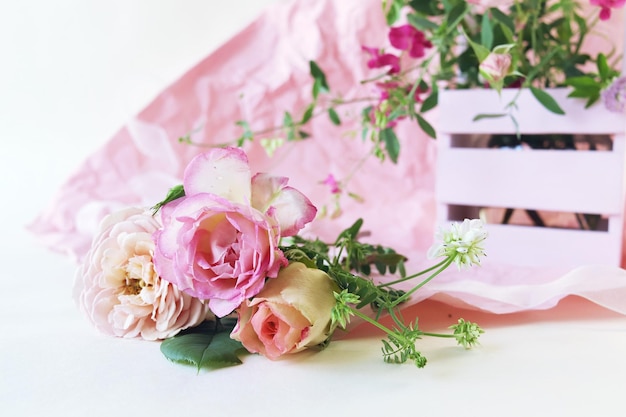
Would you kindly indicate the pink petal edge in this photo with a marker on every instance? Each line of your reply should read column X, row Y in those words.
column 221, row 171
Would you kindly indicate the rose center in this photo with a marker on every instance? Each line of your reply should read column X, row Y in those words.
column 139, row 274
column 270, row 328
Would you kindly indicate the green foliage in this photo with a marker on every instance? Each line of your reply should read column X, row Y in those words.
column 394, row 10
column 400, row 347
column 206, row 346
column 174, row 193
column 543, row 39
column 247, row 135
column 334, row 117
column 430, row 102
column 392, row 145
column 547, row 100
column 488, row 116
column 426, row 127
column 320, row 85
column 466, row 333
column 341, row 313
column 348, row 262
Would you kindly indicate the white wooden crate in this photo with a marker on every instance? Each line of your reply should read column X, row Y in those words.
column 555, row 180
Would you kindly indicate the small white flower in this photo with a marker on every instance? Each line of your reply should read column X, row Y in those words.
column 463, row 241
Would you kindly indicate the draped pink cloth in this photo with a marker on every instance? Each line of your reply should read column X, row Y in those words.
column 256, row 76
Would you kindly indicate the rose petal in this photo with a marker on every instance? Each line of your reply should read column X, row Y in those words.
column 221, row 171
column 291, row 208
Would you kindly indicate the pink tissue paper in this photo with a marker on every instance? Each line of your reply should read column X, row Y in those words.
column 256, row 76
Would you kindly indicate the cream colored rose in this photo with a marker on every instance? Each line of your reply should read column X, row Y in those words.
column 291, row 313
column 119, row 290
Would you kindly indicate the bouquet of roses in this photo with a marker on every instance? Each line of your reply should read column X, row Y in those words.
column 225, row 244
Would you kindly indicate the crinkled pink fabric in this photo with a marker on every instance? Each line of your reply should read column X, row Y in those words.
column 256, row 76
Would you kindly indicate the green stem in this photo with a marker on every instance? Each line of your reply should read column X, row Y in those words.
column 382, row 327
column 448, row 336
column 406, row 295
column 409, row 277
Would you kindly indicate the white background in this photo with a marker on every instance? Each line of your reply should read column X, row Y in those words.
column 71, row 73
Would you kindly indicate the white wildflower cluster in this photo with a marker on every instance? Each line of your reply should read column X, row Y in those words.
column 463, row 241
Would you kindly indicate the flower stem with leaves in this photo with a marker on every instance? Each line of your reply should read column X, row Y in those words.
column 351, row 265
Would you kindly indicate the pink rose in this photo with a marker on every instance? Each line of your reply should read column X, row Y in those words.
column 119, row 290
column 220, row 241
column 290, row 314
column 495, row 67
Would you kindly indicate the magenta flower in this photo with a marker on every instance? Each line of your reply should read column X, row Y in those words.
column 379, row 60
column 332, row 183
column 407, row 38
column 614, row 97
column 606, row 6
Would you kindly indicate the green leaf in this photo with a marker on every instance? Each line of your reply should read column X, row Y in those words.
column 426, row 127
column 289, row 126
column 456, row 14
column 504, row 19
column 486, row 32
column 393, row 14
column 480, row 51
column 592, row 100
column 206, row 346
column 287, row 119
column 319, row 76
column 316, row 89
column 430, row 102
column 334, row 117
column 174, row 193
column 546, row 100
column 352, row 231
column 308, row 113
column 583, row 92
column 392, row 145
column 429, row 8
column 488, row 116
column 421, row 23
column 582, row 81
column 504, row 48
column 247, row 133
column 603, row 67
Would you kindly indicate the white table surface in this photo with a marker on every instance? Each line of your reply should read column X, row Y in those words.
column 72, row 72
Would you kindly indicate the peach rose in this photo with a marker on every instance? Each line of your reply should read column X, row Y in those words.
column 290, row 314
column 119, row 290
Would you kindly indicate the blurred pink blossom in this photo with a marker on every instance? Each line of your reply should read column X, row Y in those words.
column 408, row 38
column 379, row 60
column 331, row 181
column 606, row 6
column 614, row 97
